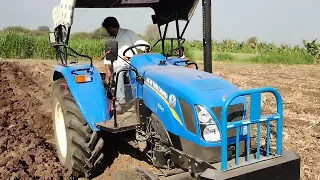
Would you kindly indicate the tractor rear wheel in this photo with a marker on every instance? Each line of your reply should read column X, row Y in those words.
column 79, row 148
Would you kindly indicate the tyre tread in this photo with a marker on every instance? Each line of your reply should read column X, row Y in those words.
column 86, row 145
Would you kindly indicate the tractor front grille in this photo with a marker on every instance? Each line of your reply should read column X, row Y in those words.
column 235, row 113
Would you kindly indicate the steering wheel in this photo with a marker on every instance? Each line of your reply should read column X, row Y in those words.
column 134, row 46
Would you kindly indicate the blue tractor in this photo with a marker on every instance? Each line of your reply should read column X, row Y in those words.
column 182, row 118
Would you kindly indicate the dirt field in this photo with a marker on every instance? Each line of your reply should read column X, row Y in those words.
column 26, row 150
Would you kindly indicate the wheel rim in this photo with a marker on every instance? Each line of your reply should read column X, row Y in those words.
column 60, row 129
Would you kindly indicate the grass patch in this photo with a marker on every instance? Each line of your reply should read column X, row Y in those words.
column 283, row 58
column 243, row 56
column 222, row 56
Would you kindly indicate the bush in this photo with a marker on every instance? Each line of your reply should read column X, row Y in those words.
column 222, row 56
column 17, row 45
column 283, row 58
column 22, row 43
column 27, row 46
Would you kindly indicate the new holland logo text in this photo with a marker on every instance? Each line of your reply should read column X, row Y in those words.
column 157, row 87
column 170, row 100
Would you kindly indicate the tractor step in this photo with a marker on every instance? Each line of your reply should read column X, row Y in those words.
column 125, row 122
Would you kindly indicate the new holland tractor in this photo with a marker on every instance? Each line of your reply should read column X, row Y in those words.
column 189, row 122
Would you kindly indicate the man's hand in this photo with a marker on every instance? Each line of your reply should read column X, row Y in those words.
column 108, row 73
column 125, row 58
column 147, row 49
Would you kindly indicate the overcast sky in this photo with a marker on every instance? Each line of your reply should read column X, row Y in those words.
column 276, row 21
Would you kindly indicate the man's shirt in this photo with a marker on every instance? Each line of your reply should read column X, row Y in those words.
column 126, row 38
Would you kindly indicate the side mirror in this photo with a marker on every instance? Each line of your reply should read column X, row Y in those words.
column 111, row 50
column 52, row 38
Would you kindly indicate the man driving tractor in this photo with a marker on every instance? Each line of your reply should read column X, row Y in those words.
column 125, row 38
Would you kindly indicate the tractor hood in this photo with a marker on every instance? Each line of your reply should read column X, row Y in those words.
column 200, row 80
column 194, row 86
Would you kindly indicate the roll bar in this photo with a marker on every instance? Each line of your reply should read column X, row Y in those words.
column 166, row 11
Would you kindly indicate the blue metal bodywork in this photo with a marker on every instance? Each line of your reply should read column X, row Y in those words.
column 208, row 90
column 191, row 85
column 90, row 97
column 164, row 82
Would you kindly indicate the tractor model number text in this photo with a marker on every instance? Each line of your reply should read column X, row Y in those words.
column 160, row 107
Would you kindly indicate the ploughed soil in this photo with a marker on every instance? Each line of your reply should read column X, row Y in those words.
column 27, row 150
column 25, row 125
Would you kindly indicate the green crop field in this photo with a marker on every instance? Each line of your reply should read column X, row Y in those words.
column 26, row 45
column 28, row 147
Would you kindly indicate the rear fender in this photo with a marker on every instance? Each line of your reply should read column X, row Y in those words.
column 90, row 96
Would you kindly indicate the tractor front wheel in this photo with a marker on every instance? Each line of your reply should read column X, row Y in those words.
column 79, row 148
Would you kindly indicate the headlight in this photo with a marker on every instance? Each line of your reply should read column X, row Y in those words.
column 208, row 126
column 211, row 133
column 203, row 115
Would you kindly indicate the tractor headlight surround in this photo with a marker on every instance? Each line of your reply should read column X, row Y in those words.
column 208, row 127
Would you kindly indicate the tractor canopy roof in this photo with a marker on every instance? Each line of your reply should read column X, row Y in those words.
column 165, row 10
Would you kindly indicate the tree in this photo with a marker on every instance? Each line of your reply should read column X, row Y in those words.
column 44, row 29
column 152, row 32
column 252, row 40
column 252, row 43
column 17, row 29
column 100, row 33
column 313, row 48
column 141, row 36
column 81, row 35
